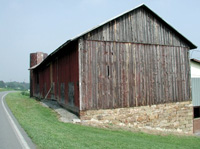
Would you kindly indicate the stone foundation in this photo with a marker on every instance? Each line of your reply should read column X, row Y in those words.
column 171, row 117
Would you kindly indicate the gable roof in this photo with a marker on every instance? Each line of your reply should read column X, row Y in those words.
column 190, row 44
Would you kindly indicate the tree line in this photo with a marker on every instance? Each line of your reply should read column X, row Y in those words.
column 15, row 85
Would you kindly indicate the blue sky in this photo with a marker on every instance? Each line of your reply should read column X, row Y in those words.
column 28, row 26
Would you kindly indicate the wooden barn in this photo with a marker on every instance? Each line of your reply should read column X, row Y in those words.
column 135, row 59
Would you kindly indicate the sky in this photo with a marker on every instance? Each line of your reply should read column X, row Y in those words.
column 28, row 26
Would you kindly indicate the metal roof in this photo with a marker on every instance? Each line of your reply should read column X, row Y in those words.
column 191, row 45
column 33, row 67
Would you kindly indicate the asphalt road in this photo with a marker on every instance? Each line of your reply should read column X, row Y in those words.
column 12, row 136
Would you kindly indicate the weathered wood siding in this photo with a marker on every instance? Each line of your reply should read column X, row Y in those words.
column 122, row 74
column 133, row 60
column 138, row 26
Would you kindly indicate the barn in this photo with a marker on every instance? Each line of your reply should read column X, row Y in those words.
column 126, row 71
column 195, row 83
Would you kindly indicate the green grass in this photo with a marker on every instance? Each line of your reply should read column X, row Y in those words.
column 5, row 89
column 47, row 132
column 25, row 93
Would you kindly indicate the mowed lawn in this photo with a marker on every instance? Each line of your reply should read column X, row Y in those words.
column 5, row 89
column 47, row 132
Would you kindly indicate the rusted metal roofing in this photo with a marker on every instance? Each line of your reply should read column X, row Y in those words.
column 190, row 44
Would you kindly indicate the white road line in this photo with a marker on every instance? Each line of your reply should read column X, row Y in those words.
column 16, row 130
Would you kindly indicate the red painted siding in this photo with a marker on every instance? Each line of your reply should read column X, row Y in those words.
column 65, row 70
column 59, row 79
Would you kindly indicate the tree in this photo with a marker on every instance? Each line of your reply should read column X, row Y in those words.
column 17, row 85
column 2, row 84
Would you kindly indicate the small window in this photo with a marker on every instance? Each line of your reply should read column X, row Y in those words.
column 108, row 72
column 196, row 112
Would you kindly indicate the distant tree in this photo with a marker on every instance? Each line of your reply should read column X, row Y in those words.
column 11, row 85
column 18, row 85
column 2, row 84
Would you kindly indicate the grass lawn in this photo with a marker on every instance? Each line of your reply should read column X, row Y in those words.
column 47, row 132
column 5, row 89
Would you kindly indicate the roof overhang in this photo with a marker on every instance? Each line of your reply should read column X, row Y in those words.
column 195, row 60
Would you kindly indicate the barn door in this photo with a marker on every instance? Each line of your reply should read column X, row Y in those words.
column 71, row 93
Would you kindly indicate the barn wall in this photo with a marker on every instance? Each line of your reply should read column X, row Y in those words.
column 195, row 91
column 35, row 58
column 44, row 82
column 119, row 74
column 58, row 79
column 33, row 89
column 41, row 82
column 65, row 78
column 138, row 26
column 195, row 69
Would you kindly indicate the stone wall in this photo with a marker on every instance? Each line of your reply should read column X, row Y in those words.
column 171, row 117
